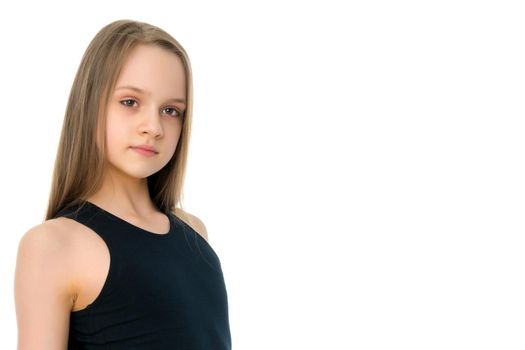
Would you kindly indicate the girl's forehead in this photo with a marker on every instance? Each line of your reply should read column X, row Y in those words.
column 148, row 60
column 152, row 68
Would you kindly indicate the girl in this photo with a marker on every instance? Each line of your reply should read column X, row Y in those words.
column 118, row 263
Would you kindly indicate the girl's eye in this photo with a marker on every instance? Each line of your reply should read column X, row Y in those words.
column 128, row 102
column 172, row 111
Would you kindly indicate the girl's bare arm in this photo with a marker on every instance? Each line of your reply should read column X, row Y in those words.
column 43, row 293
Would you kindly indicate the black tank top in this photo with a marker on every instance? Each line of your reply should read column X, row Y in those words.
column 162, row 291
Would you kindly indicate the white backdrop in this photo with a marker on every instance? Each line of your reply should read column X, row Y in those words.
column 358, row 165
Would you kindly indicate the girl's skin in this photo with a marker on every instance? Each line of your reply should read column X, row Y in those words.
column 136, row 118
column 62, row 264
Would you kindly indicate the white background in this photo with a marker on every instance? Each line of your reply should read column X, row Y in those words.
column 359, row 165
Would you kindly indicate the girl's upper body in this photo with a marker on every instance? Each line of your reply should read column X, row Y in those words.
column 99, row 281
column 80, row 281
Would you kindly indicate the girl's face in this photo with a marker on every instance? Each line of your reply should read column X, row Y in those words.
column 146, row 108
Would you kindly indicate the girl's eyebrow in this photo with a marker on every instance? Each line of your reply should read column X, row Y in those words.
column 134, row 88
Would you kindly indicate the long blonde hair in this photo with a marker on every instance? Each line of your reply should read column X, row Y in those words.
column 79, row 164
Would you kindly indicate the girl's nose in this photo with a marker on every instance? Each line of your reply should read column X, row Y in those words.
column 151, row 123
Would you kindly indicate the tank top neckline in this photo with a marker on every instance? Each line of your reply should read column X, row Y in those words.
column 133, row 227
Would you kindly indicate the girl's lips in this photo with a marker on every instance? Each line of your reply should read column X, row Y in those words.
column 146, row 148
column 144, row 152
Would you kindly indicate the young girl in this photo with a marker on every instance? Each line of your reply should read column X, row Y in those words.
column 118, row 263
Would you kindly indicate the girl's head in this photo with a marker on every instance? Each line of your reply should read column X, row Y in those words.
column 115, row 59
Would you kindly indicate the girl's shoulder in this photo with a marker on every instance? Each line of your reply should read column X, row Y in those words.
column 53, row 233
column 48, row 250
column 193, row 221
column 80, row 254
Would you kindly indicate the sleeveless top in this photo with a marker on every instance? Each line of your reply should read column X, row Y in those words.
column 162, row 291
